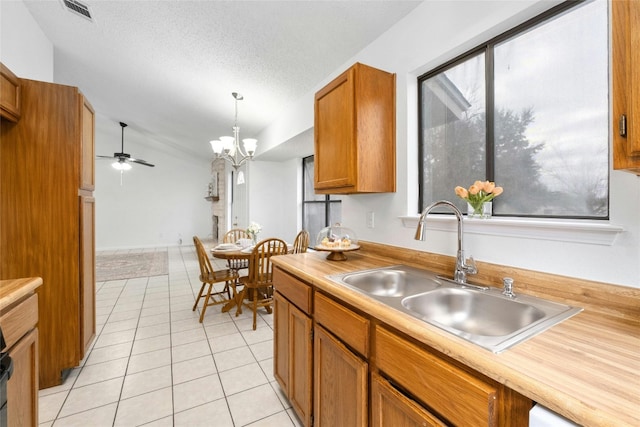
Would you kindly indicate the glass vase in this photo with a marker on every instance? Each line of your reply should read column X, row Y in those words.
column 254, row 239
column 482, row 211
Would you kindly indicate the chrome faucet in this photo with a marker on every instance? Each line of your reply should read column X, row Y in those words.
column 462, row 268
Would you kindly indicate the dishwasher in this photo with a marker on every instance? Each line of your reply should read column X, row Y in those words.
column 539, row 416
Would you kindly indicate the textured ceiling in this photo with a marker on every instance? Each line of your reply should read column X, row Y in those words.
column 167, row 68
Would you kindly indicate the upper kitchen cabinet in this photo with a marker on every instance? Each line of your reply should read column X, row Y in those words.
column 47, row 218
column 9, row 94
column 355, row 133
column 626, row 84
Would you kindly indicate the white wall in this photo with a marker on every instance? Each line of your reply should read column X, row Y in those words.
column 154, row 206
column 433, row 33
column 273, row 202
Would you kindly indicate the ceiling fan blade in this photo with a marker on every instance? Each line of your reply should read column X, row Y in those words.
column 141, row 162
column 106, row 157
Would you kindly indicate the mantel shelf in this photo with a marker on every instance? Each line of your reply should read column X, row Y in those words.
column 212, row 198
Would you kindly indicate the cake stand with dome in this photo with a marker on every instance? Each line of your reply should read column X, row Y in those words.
column 336, row 240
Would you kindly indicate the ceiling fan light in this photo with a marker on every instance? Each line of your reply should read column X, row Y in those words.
column 250, row 145
column 121, row 166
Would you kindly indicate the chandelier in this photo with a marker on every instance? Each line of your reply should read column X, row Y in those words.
column 228, row 147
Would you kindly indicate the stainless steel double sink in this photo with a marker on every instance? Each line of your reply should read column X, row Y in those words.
column 484, row 317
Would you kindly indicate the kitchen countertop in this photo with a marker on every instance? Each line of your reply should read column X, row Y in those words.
column 15, row 289
column 586, row 368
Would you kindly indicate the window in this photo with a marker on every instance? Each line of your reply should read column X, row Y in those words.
column 528, row 110
column 318, row 210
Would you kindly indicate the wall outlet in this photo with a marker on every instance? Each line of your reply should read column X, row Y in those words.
column 371, row 219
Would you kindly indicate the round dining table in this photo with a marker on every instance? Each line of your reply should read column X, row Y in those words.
column 233, row 253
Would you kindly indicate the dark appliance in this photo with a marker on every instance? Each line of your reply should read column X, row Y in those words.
column 6, row 369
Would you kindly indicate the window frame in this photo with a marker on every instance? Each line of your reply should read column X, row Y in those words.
column 487, row 48
column 327, row 201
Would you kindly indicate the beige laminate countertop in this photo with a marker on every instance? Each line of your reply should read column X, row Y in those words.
column 15, row 289
column 586, row 368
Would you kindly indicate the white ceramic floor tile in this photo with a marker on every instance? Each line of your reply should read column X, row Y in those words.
column 281, row 419
column 242, row 378
column 144, row 408
column 98, row 417
column 189, row 336
column 193, row 368
column 101, row 371
column 262, row 350
column 115, row 338
column 197, row 392
column 259, row 335
column 154, row 319
column 92, row 396
column 112, row 352
column 146, row 381
column 151, row 360
column 227, row 342
column 190, row 351
column 148, row 322
column 49, row 405
column 233, row 358
column 153, row 331
column 264, row 403
column 212, row 413
column 146, row 345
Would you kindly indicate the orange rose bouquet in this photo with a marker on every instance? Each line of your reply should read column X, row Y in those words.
column 479, row 193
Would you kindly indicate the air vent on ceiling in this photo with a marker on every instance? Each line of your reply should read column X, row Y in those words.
column 78, row 8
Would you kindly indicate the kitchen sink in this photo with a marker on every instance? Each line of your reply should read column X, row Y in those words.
column 484, row 317
column 395, row 281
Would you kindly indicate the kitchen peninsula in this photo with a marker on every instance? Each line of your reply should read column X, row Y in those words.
column 585, row 368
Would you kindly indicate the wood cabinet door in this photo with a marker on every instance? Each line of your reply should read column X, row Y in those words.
column 335, row 133
column 87, row 273
column 281, row 341
column 22, row 388
column 293, row 356
column 625, row 16
column 340, row 383
column 87, row 141
column 9, row 94
column 300, row 364
column 389, row 407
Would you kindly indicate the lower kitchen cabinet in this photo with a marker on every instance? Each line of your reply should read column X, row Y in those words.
column 340, row 383
column 18, row 323
column 411, row 383
column 292, row 361
column 389, row 407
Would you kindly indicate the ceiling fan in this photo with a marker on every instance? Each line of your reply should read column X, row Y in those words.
column 123, row 159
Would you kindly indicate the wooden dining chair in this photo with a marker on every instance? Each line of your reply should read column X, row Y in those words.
column 301, row 243
column 258, row 285
column 209, row 277
column 232, row 236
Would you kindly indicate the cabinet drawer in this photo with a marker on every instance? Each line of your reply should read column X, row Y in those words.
column 450, row 391
column 296, row 291
column 350, row 327
column 19, row 320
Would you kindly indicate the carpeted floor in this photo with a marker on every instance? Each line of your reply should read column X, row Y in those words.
column 130, row 265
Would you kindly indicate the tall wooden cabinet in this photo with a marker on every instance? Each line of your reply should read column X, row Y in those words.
column 625, row 16
column 47, row 217
column 355, row 133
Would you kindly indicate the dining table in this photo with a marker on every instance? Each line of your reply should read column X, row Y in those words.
column 233, row 251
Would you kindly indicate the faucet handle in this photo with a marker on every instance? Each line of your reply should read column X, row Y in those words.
column 469, row 266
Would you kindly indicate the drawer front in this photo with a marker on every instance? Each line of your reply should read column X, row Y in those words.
column 350, row 327
column 19, row 320
column 450, row 391
column 296, row 291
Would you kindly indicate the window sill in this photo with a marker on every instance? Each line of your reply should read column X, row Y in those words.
column 558, row 230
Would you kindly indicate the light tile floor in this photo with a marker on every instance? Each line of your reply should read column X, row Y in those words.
column 152, row 363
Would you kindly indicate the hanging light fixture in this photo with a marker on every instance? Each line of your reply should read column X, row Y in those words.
column 228, row 147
